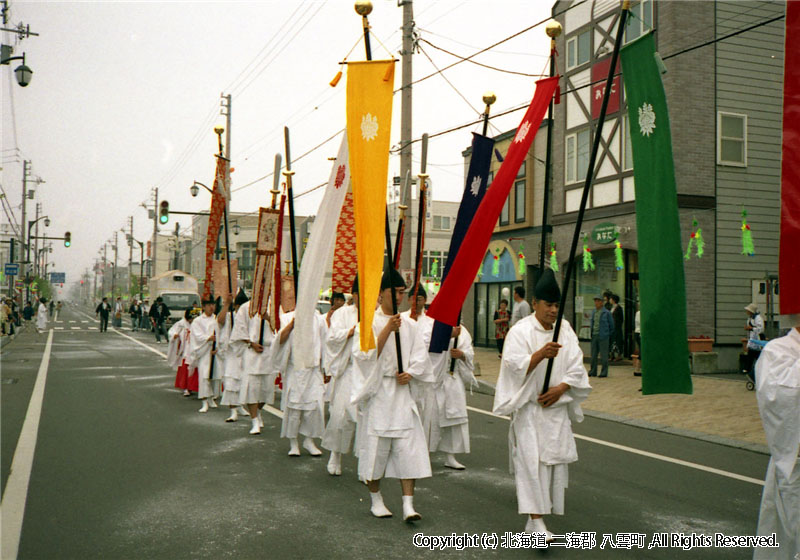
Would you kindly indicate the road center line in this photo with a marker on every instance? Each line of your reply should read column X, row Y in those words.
column 656, row 456
column 12, row 506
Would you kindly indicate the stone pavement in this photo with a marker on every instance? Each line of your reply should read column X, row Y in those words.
column 721, row 409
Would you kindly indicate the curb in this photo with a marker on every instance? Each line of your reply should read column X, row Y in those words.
column 485, row 388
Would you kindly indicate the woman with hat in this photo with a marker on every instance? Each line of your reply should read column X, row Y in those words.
column 755, row 332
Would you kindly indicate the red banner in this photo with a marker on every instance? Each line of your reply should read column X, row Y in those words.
column 345, row 263
column 214, row 222
column 447, row 304
column 600, row 74
column 789, row 266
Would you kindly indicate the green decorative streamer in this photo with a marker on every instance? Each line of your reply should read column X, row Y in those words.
column 588, row 261
column 619, row 262
column 700, row 242
column 435, row 268
column 695, row 240
column 521, row 257
column 553, row 257
column 496, row 264
column 747, row 237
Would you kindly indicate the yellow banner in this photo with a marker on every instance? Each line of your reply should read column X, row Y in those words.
column 369, row 122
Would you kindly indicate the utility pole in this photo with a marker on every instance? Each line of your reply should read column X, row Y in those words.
column 26, row 165
column 114, row 272
column 177, row 244
column 226, row 111
column 36, row 269
column 130, row 257
column 153, row 259
column 105, row 266
column 405, row 118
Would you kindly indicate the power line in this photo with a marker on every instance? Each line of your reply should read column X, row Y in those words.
column 463, row 59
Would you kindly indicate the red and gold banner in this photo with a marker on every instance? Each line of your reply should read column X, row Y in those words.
column 215, row 222
column 219, row 274
column 345, row 263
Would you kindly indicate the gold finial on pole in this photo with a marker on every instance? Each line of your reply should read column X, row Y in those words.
column 489, row 98
column 288, row 263
column 219, row 129
column 553, row 30
column 626, row 5
column 363, row 7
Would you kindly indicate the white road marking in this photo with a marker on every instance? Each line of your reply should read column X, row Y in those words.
column 656, row 456
column 93, row 328
column 59, row 328
column 12, row 507
column 84, row 321
column 75, row 328
column 153, row 350
column 73, row 321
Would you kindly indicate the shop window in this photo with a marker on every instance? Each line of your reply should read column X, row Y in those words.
column 641, row 20
column 578, row 49
column 441, row 223
column 504, row 212
column 519, row 201
column 577, row 155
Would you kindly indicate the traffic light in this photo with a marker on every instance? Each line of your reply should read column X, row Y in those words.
column 163, row 212
column 67, row 239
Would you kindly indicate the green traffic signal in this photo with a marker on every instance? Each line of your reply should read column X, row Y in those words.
column 67, row 239
column 163, row 213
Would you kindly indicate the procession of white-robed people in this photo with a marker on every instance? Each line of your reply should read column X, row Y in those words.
column 396, row 382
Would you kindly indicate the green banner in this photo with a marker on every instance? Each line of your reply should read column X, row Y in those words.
column 662, row 290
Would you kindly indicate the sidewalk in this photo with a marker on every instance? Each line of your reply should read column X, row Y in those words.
column 720, row 410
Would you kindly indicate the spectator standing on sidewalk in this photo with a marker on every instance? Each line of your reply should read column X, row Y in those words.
column 118, row 308
column 136, row 315
column 144, row 317
column 52, row 308
column 778, row 395
column 27, row 312
column 602, row 328
column 755, row 331
column 521, row 307
column 501, row 319
column 619, row 326
column 159, row 314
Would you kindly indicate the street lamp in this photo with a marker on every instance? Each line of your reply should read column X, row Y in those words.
column 195, row 190
column 23, row 73
column 236, row 228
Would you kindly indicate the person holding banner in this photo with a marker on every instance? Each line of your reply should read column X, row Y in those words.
column 338, row 436
column 301, row 401
column 254, row 337
column 540, row 435
column 178, row 351
column 203, row 336
column 422, row 392
column 229, row 356
column 393, row 443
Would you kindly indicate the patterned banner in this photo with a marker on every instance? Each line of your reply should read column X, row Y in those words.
column 345, row 263
column 219, row 274
column 266, row 276
column 221, row 178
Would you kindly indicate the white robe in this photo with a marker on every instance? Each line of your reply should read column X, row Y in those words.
column 177, row 346
column 41, row 317
column 447, row 406
column 341, row 425
column 422, row 391
column 257, row 377
column 541, row 443
column 302, row 397
column 778, row 395
column 230, row 361
column 200, row 351
column 390, row 418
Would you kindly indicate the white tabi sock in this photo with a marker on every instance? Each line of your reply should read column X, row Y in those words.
column 205, row 406
column 233, row 417
column 378, row 508
column 242, row 411
column 538, row 526
column 255, row 429
column 213, row 402
column 311, row 447
column 335, row 464
column 452, row 463
column 294, row 448
column 409, row 514
column 260, row 420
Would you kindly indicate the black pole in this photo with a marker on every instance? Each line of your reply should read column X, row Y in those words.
column 290, row 197
column 587, row 185
column 547, row 172
column 401, row 223
column 276, row 181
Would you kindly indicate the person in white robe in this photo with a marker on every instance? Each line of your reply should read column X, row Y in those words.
column 202, row 342
column 341, row 427
column 230, row 356
column 178, row 351
column 541, row 442
column 778, row 395
column 41, row 316
column 449, row 428
column 393, row 443
column 303, row 388
column 254, row 336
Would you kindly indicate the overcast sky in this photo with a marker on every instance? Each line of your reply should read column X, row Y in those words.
column 125, row 96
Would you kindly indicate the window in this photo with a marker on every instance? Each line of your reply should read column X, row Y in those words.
column 521, row 172
column 641, row 20
column 731, row 139
column 627, row 151
column 247, row 255
column 577, row 155
column 504, row 212
column 578, row 49
column 519, row 201
column 441, row 223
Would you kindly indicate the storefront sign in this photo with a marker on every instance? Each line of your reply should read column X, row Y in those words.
column 604, row 233
column 599, row 78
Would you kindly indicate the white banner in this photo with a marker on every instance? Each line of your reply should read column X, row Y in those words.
column 318, row 256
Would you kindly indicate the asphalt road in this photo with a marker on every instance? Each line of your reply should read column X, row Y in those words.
column 125, row 467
